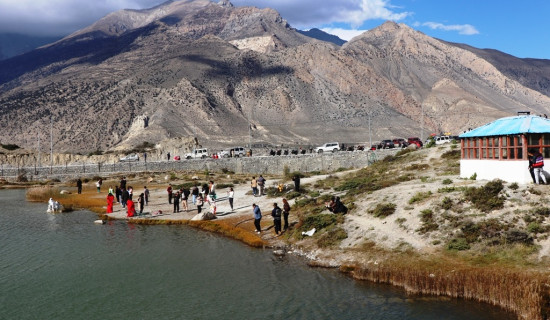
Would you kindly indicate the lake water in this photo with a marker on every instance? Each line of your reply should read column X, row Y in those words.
column 63, row 266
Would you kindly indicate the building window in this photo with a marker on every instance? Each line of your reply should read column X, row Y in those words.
column 500, row 148
column 540, row 142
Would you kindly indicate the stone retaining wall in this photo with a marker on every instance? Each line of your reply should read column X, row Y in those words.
column 247, row 165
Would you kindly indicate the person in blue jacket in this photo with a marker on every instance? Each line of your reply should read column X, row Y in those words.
column 257, row 217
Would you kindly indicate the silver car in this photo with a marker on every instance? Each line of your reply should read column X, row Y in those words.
column 130, row 157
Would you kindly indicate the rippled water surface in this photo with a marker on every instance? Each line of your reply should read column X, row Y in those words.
column 64, row 266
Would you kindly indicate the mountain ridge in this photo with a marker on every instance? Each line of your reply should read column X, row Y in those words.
column 230, row 68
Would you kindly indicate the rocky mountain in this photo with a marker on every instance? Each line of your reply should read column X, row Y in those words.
column 323, row 36
column 233, row 75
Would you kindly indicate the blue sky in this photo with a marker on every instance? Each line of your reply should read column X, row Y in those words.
column 520, row 28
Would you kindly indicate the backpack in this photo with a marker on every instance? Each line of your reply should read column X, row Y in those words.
column 278, row 213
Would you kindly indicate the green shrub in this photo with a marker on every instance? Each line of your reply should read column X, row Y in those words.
column 447, row 181
column 534, row 227
column 428, row 221
column 473, row 176
column 321, row 221
column 541, row 211
column 447, row 203
column 486, row 198
column 304, row 202
column 419, row 196
column 458, row 244
column 417, row 166
column 514, row 186
column 383, row 210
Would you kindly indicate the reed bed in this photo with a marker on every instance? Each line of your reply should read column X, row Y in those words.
column 526, row 293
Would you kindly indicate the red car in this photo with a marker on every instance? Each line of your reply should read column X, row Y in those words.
column 416, row 141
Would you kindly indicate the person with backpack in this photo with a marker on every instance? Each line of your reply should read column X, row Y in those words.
column 538, row 165
column 276, row 213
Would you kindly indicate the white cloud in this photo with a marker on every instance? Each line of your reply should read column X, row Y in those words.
column 345, row 34
column 59, row 17
column 307, row 13
column 465, row 29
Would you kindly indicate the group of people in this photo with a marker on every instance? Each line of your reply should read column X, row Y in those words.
column 258, row 186
column 124, row 196
column 278, row 215
column 206, row 194
column 336, row 206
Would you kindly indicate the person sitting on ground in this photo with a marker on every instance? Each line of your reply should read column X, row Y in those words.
column 339, row 207
column 331, row 204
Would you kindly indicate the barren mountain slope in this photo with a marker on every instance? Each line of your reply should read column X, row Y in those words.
column 197, row 68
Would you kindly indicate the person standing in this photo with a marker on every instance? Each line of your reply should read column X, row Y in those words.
column 212, row 190
column 123, row 183
column 130, row 193
column 176, row 202
column 131, row 208
column 146, row 195
column 257, row 217
column 200, row 203
column 141, row 201
column 538, row 165
column 118, row 194
column 195, row 193
column 111, row 190
column 184, row 198
column 145, row 156
column 254, row 186
column 98, row 185
column 168, row 156
column 296, row 180
column 169, row 191
column 124, row 197
column 110, row 200
column 79, row 185
column 276, row 214
column 286, row 212
column 230, row 195
column 261, row 184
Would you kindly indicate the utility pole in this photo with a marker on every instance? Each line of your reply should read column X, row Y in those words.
column 51, row 144
column 370, row 133
column 38, row 150
column 422, row 123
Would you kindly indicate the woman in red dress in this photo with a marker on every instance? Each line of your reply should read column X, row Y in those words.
column 131, row 208
column 110, row 200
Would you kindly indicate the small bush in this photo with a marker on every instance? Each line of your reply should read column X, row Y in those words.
column 321, row 221
column 516, row 236
column 541, row 211
column 383, row 210
column 486, row 198
column 419, row 196
column 458, row 244
column 534, row 227
column 447, row 203
column 304, row 202
column 417, row 166
column 473, row 176
column 227, row 171
column 514, row 186
column 447, row 181
column 428, row 221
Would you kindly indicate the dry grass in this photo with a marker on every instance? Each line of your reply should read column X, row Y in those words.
column 226, row 227
column 524, row 292
column 89, row 199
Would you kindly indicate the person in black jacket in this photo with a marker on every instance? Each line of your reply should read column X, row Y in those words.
column 276, row 213
column 296, row 180
column 125, row 197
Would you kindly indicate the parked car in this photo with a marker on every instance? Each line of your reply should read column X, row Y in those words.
column 197, row 154
column 328, row 147
column 400, row 142
column 237, row 152
column 415, row 140
column 442, row 139
column 130, row 157
column 386, row 144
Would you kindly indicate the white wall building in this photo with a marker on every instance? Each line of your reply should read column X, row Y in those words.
column 499, row 149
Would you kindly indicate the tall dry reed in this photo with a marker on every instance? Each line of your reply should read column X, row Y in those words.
column 525, row 293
